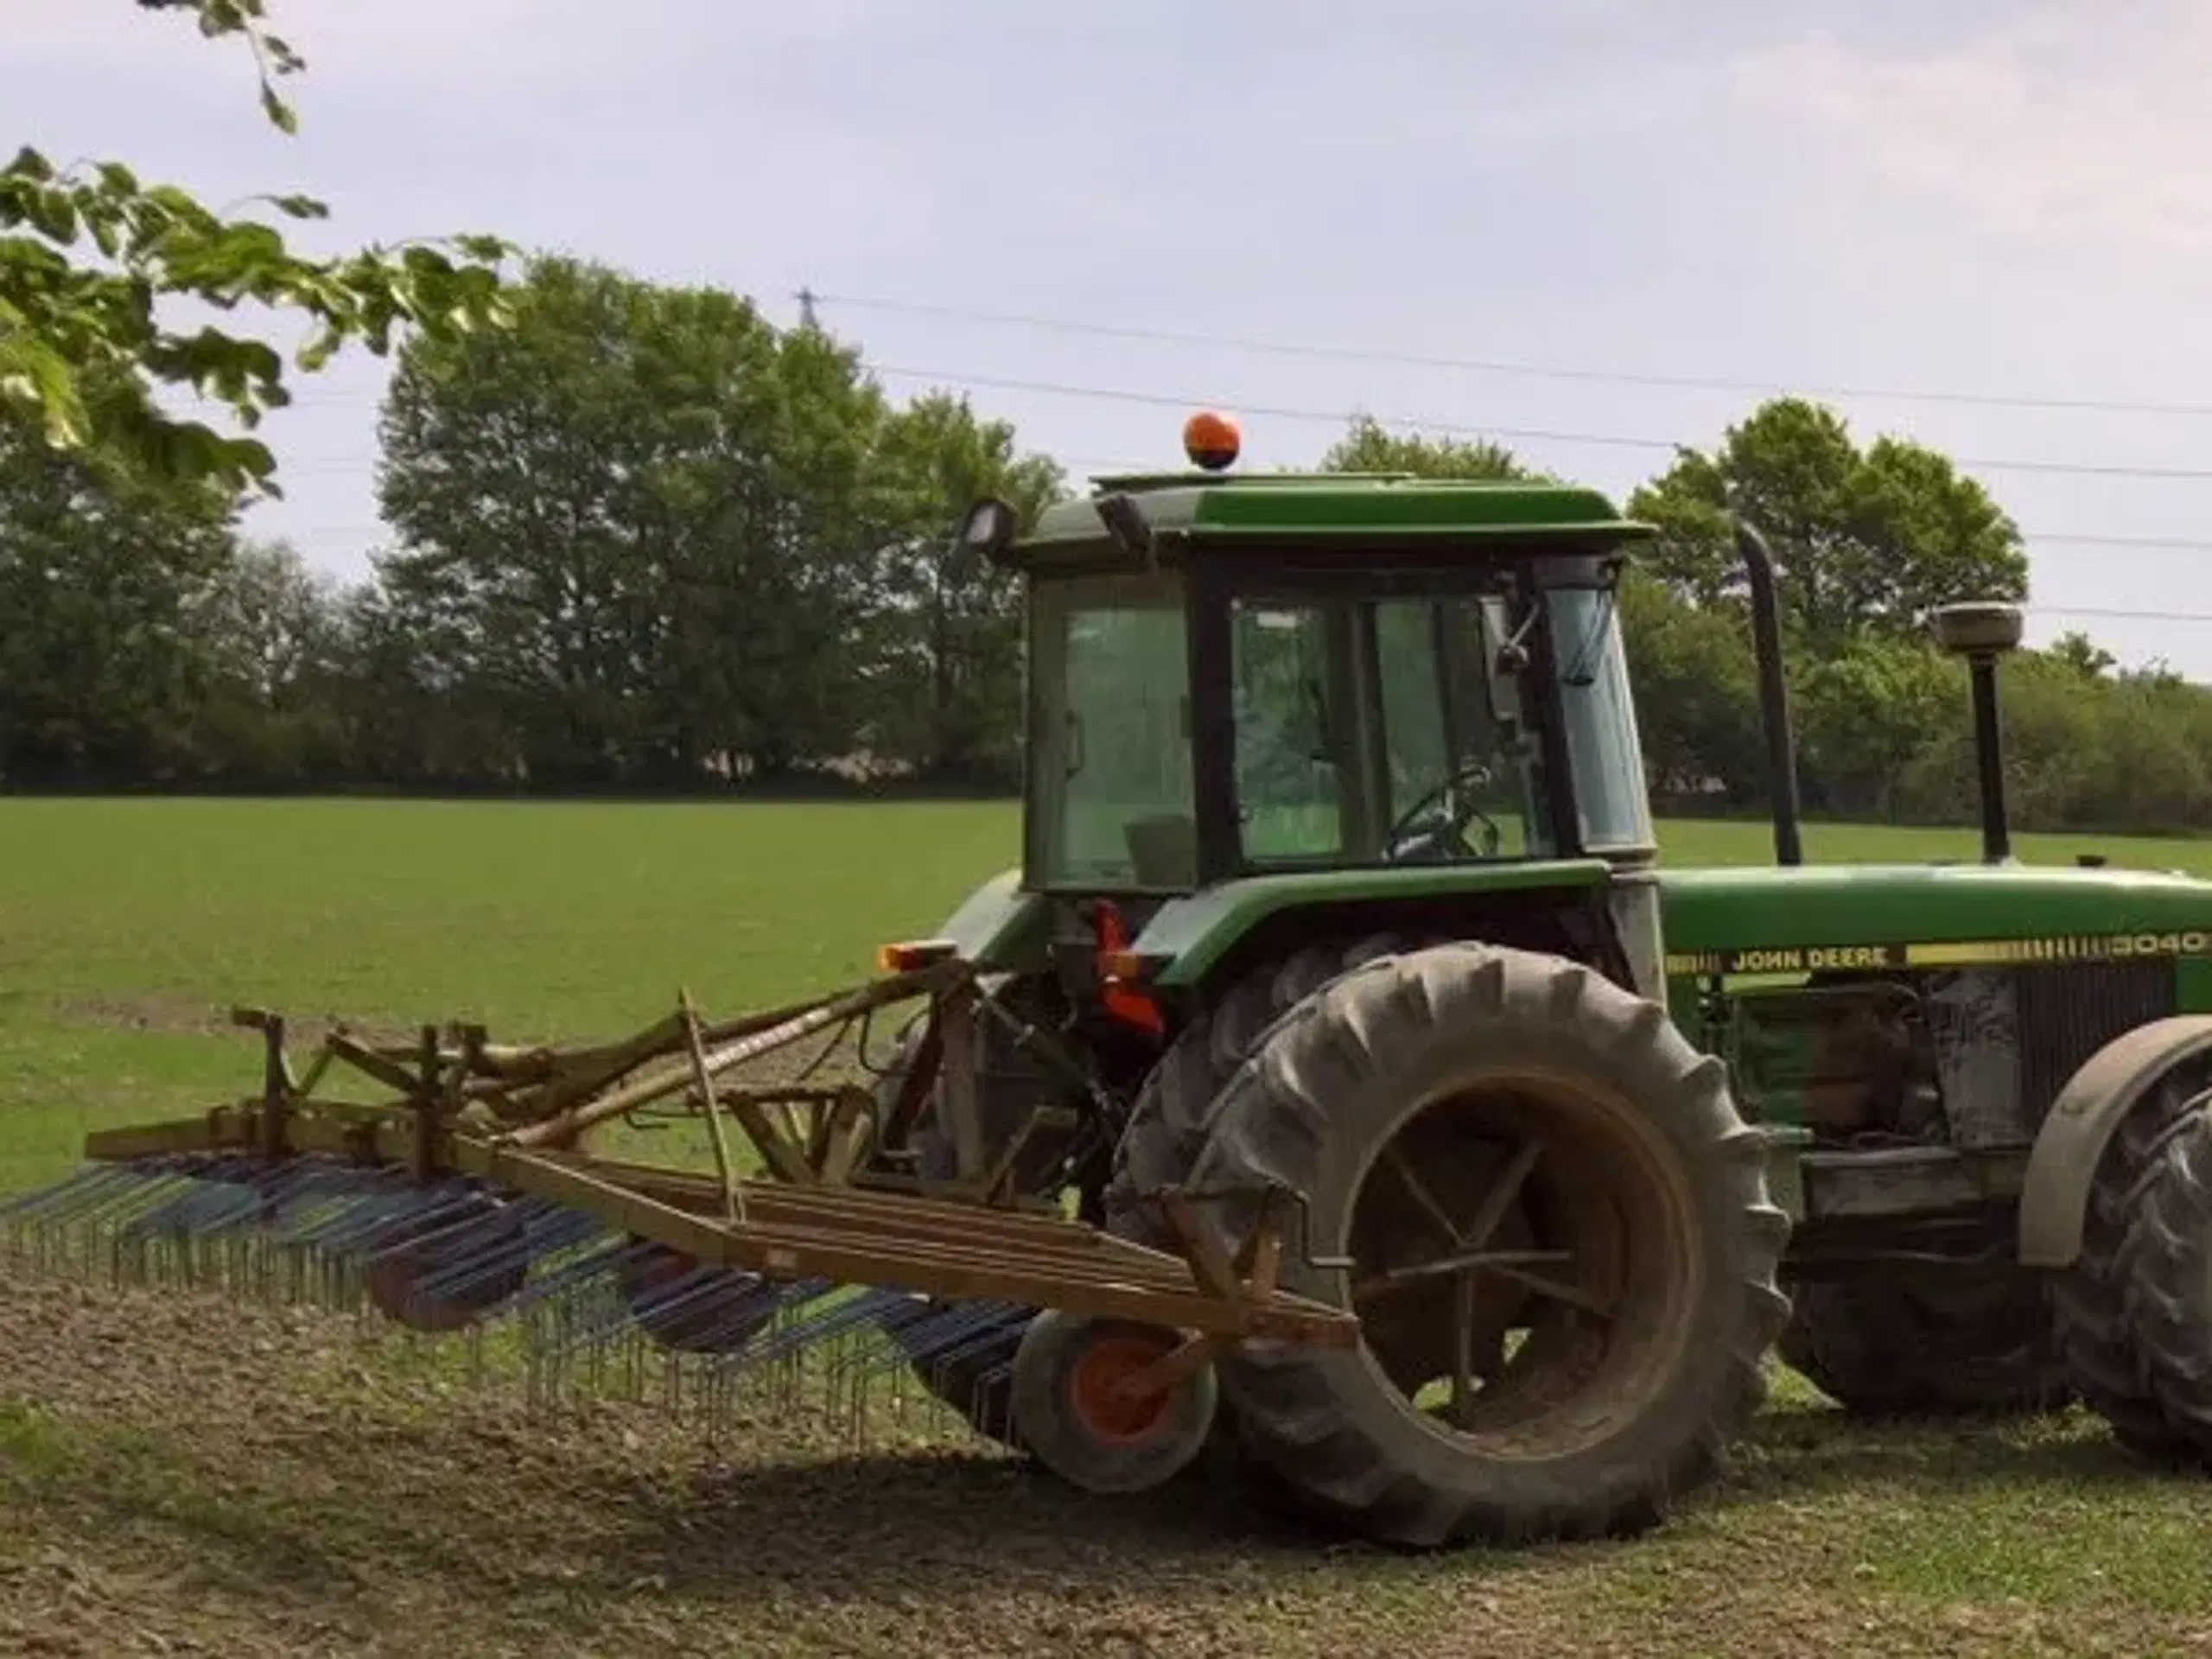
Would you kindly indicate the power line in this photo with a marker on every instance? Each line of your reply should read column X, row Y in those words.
column 1489, row 366
column 2105, row 614
column 2177, row 543
column 330, row 466
column 1449, row 427
column 1460, row 429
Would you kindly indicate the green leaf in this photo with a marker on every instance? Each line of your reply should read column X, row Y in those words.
column 55, row 213
column 278, row 111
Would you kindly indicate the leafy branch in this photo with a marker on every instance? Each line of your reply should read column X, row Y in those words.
column 89, row 256
column 271, row 56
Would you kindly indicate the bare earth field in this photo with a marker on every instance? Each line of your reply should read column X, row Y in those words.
column 182, row 1475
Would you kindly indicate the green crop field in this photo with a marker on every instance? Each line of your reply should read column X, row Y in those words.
column 175, row 1472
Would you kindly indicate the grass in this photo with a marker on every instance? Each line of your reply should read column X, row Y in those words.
column 127, row 928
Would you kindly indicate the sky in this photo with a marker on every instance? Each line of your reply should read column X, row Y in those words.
column 1591, row 230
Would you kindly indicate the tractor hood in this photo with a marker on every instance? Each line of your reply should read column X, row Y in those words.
column 1844, row 916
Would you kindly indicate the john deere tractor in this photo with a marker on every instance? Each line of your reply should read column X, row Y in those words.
column 1337, row 1097
column 1339, row 875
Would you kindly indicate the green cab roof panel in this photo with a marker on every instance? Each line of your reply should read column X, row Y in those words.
column 1225, row 510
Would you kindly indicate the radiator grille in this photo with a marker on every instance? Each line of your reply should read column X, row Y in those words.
column 2067, row 1012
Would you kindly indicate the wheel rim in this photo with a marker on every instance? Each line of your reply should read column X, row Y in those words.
column 1522, row 1265
column 1094, row 1385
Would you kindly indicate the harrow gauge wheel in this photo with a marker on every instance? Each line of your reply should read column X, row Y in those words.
column 1075, row 1413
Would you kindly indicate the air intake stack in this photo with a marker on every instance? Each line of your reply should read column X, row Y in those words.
column 1981, row 630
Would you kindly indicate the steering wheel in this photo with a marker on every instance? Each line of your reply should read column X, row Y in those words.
column 1455, row 812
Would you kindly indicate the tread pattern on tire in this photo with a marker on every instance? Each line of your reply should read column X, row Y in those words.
column 2165, row 1264
column 2088, row 1300
column 1167, row 1124
column 1319, row 1421
column 1928, row 1344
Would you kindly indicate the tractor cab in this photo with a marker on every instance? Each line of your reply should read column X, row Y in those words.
column 1239, row 675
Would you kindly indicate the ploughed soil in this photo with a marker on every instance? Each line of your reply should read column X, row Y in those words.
column 183, row 1475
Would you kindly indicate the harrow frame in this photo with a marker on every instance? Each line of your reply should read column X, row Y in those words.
column 511, row 1121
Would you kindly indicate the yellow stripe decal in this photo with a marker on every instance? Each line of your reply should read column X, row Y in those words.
column 1944, row 953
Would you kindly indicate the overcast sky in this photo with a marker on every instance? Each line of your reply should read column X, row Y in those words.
column 2007, row 203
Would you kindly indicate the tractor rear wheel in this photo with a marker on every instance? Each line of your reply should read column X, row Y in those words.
column 1168, row 1130
column 1928, row 1342
column 1561, row 1250
column 1167, row 1124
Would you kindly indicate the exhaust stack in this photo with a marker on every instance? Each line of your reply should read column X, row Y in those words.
column 1774, row 694
column 1982, row 631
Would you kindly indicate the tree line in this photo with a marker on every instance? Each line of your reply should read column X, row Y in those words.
column 645, row 541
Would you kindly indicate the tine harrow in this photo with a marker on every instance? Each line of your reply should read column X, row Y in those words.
column 791, row 1256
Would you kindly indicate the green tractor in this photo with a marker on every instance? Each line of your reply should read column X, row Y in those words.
column 1339, row 874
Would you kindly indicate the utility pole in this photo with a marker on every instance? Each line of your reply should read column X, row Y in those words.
column 806, row 318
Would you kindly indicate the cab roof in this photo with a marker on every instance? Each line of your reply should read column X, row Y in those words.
column 1384, row 511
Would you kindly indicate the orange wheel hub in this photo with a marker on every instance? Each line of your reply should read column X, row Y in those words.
column 1093, row 1389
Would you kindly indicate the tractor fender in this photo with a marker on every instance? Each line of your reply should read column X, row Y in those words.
column 1000, row 926
column 2063, row 1164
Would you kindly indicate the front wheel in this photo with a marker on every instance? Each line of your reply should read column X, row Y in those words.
column 1561, row 1249
column 2165, row 1265
column 1938, row 1341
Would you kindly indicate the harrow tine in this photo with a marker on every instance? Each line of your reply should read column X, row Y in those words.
column 515, row 1241
column 807, row 1330
column 84, row 1195
column 591, row 1268
column 70, row 1193
column 964, row 1332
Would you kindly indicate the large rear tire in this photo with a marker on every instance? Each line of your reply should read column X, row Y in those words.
column 1471, row 1101
column 1167, row 1124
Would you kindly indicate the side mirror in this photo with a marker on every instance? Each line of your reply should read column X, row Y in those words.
column 1126, row 523
column 988, row 528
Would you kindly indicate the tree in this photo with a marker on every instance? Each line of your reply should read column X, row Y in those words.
column 279, row 661
column 1369, row 447
column 1696, row 696
column 1869, row 539
column 946, row 681
column 570, row 497
column 86, row 350
column 658, row 541
column 99, row 574
column 2083, row 655
column 1864, row 714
